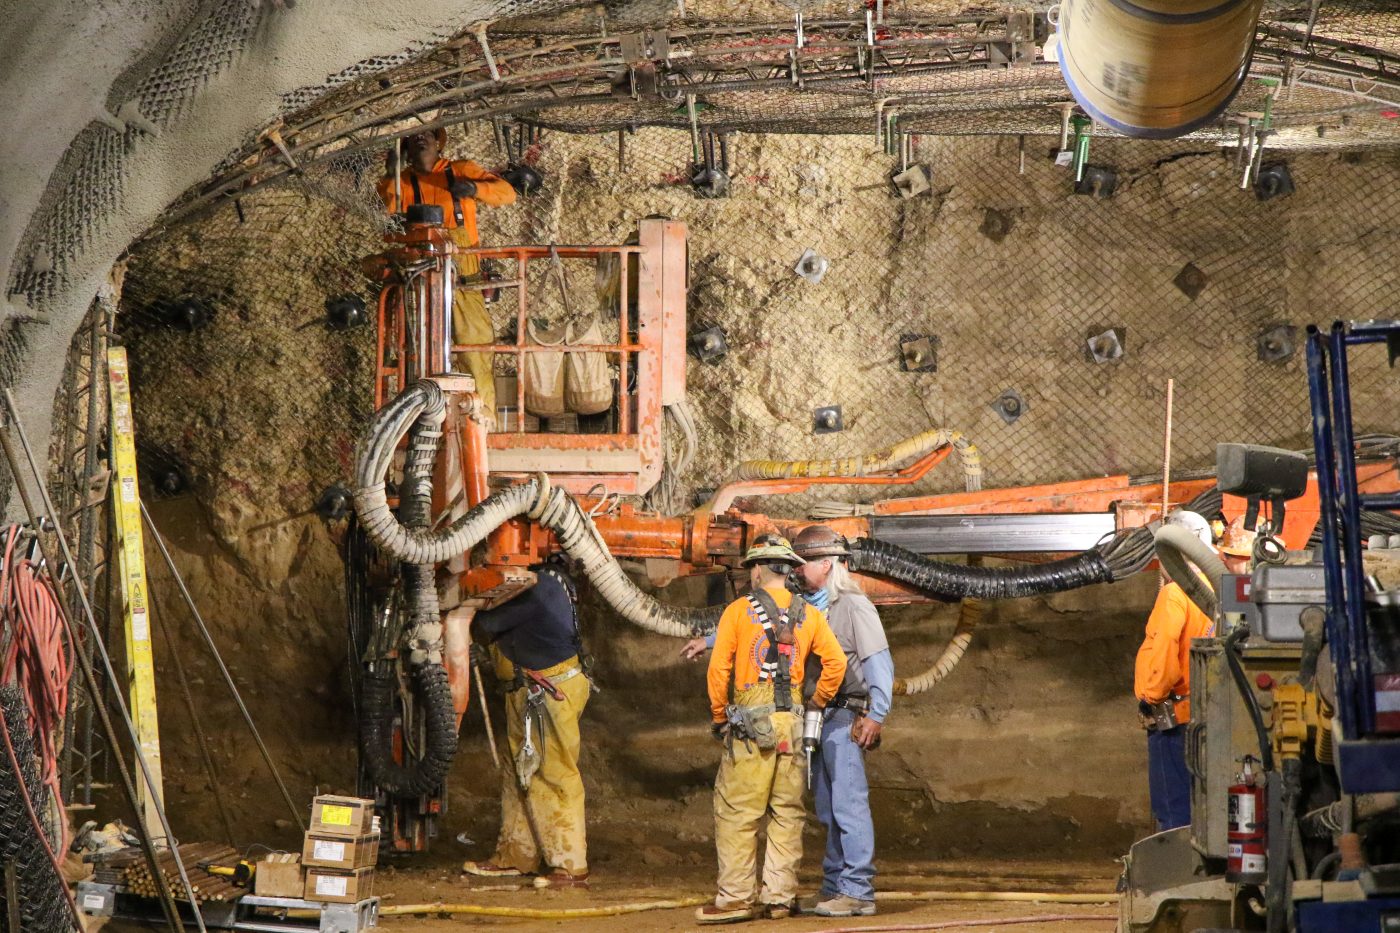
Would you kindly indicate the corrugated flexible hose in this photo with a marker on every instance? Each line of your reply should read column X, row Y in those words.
column 969, row 614
column 877, row 462
column 552, row 507
column 956, row 581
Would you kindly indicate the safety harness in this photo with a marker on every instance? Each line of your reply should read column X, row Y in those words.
column 776, row 666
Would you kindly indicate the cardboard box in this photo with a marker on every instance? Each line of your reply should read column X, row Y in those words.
column 322, row 851
column 279, row 875
column 348, row 817
column 335, row 886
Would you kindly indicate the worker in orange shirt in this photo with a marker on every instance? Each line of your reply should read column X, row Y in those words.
column 761, row 647
column 456, row 186
column 1162, row 682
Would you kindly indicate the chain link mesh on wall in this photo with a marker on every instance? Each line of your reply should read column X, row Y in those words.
column 1009, row 271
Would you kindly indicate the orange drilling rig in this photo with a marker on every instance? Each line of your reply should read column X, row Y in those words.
column 450, row 516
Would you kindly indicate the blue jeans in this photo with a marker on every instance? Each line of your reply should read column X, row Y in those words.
column 1168, row 781
column 843, row 806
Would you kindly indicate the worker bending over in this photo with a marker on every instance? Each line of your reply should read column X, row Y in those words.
column 538, row 654
column 456, row 186
column 852, row 724
column 1162, row 682
column 761, row 647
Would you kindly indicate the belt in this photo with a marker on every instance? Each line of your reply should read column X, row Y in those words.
column 555, row 679
column 855, row 704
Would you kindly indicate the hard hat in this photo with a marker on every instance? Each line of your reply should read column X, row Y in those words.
column 1237, row 542
column 820, row 541
column 1192, row 522
column 772, row 549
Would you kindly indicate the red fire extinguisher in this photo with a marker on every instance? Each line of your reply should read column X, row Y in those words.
column 1247, row 862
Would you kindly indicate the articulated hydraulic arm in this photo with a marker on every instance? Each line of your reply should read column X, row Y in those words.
column 475, row 509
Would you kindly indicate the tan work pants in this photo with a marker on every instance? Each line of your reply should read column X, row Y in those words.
column 554, row 803
column 471, row 323
column 750, row 784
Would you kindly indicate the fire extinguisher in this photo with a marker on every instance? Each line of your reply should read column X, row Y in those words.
column 1248, row 829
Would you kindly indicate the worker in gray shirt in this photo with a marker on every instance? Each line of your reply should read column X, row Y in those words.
column 852, row 727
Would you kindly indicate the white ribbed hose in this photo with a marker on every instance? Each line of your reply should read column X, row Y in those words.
column 1178, row 549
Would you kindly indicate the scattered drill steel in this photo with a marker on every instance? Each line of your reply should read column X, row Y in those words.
column 223, row 669
column 167, row 897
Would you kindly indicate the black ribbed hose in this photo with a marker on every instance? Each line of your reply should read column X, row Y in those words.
column 432, row 692
column 956, row 581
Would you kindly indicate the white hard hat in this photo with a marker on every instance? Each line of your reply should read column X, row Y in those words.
column 1193, row 522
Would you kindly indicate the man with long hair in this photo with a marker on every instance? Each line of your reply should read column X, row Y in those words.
column 853, row 723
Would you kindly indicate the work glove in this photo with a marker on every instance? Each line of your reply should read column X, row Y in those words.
column 462, row 188
column 720, row 730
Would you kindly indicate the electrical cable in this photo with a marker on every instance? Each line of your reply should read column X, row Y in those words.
column 167, row 898
column 960, row 924
column 1251, row 702
column 219, row 662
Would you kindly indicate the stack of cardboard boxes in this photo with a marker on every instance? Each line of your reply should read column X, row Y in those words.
column 337, row 859
column 341, row 848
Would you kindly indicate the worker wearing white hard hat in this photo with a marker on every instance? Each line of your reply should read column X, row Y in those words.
column 1162, row 683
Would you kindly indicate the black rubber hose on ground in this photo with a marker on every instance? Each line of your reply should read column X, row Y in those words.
column 432, row 692
column 956, row 581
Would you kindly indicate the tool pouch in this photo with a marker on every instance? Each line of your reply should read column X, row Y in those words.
column 756, row 723
column 1159, row 717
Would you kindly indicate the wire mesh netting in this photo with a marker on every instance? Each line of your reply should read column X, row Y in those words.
column 1078, row 308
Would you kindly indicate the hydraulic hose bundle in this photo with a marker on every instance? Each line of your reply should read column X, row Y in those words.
column 421, row 404
column 956, row 581
column 34, row 656
column 877, row 462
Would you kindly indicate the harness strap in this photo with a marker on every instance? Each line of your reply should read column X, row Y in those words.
column 456, row 201
column 775, row 667
column 417, row 191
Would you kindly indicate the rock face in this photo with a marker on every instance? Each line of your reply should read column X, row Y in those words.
column 261, row 408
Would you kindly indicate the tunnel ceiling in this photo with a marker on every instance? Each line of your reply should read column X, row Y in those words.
column 929, row 68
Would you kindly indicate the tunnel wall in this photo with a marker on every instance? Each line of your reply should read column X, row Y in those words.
column 1034, row 737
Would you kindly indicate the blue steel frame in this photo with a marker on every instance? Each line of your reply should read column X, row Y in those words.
column 1341, row 507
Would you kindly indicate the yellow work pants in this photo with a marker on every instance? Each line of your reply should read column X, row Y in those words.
column 471, row 323
column 547, row 822
column 750, row 784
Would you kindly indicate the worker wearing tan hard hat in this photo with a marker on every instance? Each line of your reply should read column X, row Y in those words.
column 456, row 186
column 1237, row 546
column 761, row 647
column 851, row 725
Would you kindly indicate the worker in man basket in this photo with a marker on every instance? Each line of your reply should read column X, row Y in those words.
column 538, row 655
column 1162, row 683
column 852, row 724
column 457, row 186
column 761, row 647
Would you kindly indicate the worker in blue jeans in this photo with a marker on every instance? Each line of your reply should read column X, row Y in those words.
column 852, row 726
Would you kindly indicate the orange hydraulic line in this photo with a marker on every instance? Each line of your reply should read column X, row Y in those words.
column 724, row 496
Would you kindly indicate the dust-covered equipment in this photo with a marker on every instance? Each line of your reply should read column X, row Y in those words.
column 1293, row 746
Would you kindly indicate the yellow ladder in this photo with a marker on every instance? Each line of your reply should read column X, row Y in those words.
column 131, row 555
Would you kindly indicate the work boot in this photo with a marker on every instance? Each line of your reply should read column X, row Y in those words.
column 559, row 878
column 777, row 911
column 712, row 914
column 843, row 906
column 806, row 906
column 490, row 870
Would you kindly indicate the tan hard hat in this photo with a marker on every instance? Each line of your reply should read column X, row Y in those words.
column 819, row 541
column 772, row 549
column 1237, row 542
